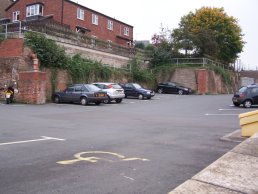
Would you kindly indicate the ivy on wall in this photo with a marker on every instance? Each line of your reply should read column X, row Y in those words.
column 80, row 69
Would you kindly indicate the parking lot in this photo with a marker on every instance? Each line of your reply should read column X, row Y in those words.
column 138, row 146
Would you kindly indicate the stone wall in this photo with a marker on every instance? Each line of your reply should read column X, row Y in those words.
column 32, row 87
column 16, row 70
column 200, row 81
column 106, row 58
column 56, row 81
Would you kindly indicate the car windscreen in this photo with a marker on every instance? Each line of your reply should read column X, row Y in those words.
column 92, row 88
column 116, row 86
column 137, row 86
column 243, row 89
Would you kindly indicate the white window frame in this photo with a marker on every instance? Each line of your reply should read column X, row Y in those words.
column 16, row 16
column 95, row 19
column 80, row 14
column 126, row 31
column 110, row 25
column 32, row 10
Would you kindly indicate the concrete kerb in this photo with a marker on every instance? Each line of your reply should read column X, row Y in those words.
column 235, row 172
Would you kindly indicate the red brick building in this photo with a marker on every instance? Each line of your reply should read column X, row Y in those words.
column 3, row 5
column 78, row 17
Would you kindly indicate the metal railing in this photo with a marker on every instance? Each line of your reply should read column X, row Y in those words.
column 198, row 62
column 11, row 30
column 60, row 31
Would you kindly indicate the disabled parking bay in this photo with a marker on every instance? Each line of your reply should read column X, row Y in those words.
column 136, row 146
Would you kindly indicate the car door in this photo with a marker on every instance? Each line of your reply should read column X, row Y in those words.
column 171, row 87
column 76, row 96
column 129, row 90
column 166, row 88
column 254, row 93
column 67, row 95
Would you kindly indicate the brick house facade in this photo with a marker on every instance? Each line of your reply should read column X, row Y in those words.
column 3, row 5
column 78, row 17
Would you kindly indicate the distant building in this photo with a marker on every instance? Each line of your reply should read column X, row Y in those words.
column 3, row 5
column 80, row 18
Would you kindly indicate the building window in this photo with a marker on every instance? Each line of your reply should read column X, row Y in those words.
column 126, row 31
column 110, row 25
column 16, row 16
column 95, row 19
column 80, row 14
column 32, row 10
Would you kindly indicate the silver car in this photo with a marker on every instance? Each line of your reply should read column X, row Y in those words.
column 114, row 91
column 81, row 93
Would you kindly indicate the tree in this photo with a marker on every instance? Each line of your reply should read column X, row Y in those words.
column 209, row 31
column 161, row 51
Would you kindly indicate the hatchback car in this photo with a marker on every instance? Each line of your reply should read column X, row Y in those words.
column 246, row 96
column 136, row 90
column 114, row 91
column 81, row 93
column 172, row 88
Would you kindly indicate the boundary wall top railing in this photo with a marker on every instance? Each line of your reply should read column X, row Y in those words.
column 58, row 30
column 53, row 28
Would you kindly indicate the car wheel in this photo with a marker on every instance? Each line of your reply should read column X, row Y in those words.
column 180, row 92
column 97, row 103
column 56, row 99
column 140, row 96
column 160, row 90
column 107, row 101
column 84, row 101
column 247, row 103
column 119, row 100
column 236, row 104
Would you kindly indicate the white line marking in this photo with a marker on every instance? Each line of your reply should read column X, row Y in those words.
column 221, row 109
column 44, row 138
column 208, row 114
column 17, row 105
column 127, row 177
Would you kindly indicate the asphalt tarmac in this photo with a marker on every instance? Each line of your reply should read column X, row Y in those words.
column 136, row 147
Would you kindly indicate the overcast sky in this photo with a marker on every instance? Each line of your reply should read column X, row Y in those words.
column 147, row 16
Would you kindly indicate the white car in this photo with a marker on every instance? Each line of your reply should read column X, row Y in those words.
column 114, row 91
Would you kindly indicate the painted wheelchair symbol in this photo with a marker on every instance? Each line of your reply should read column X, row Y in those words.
column 94, row 159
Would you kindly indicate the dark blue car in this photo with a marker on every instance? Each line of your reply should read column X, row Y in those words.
column 135, row 90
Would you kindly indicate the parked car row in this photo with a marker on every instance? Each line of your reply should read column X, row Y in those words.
column 246, row 96
column 104, row 92
column 101, row 92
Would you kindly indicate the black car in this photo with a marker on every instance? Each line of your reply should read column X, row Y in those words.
column 172, row 88
column 135, row 90
column 247, row 96
column 81, row 93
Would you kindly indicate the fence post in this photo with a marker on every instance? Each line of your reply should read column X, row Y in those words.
column 203, row 62
column 20, row 29
column 6, row 31
column 177, row 61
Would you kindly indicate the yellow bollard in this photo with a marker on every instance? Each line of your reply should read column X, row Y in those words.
column 249, row 123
